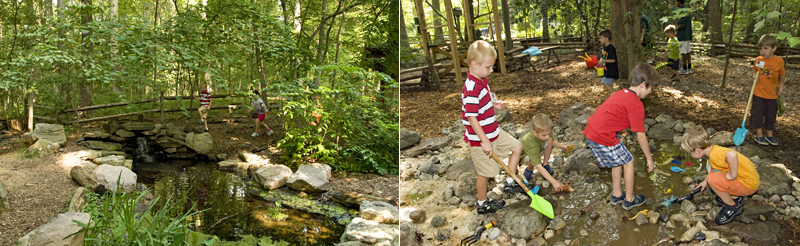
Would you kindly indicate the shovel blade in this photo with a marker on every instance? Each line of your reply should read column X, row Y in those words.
column 540, row 204
column 739, row 135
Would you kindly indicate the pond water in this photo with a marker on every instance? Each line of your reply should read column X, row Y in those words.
column 659, row 185
column 232, row 212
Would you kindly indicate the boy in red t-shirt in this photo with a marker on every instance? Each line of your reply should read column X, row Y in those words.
column 769, row 70
column 482, row 133
column 205, row 105
column 621, row 110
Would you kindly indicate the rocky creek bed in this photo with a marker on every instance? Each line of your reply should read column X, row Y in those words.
column 438, row 193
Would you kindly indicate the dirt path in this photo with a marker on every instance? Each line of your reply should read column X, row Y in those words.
column 40, row 188
column 697, row 97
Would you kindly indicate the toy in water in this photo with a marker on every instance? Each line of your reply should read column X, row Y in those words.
column 689, row 163
column 477, row 236
column 567, row 187
column 645, row 212
column 668, row 190
column 687, row 197
column 669, row 201
column 569, row 149
column 676, row 169
column 676, row 162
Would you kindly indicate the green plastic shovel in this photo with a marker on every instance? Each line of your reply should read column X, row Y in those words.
column 741, row 133
column 537, row 202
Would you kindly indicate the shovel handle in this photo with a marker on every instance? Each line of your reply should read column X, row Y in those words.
column 747, row 109
column 513, row 175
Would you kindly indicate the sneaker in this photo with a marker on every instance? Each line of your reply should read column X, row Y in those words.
column 617, row 200
column 269, row 132
column 200, row 122
column 718, row 200
column 549, row 169
column 638, row 200
column 513, row 187
column 761, row 141
column 728, row 212
column 206, row 130
column 682, row 71
column 689, row 71
column 255, row 134
column 772, row 141
column 491, row 206
column 527, row 174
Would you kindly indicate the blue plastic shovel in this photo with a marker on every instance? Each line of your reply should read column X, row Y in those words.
column 741, row 133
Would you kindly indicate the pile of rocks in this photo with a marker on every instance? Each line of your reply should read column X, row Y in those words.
column 376, row 226
column 168, row 138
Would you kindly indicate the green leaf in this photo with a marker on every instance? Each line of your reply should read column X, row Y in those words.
column 664, row 20
column 793, row 41
column 759, row 25
column 159, row 67
column 188, row 64
column 782, row 35
column 773, row 14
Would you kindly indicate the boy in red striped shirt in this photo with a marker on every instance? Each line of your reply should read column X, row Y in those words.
column 205, row 105
column 482, row 133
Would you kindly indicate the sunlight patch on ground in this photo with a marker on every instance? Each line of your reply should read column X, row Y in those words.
column 523, row 102
column 695, row 99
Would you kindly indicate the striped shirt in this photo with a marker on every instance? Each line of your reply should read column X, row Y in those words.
column 205, row 98
column 476, row 100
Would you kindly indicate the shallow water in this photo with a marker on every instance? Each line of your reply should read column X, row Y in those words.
column 232, row 211
column 609, row 228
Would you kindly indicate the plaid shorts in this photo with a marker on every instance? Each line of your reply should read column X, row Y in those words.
column 610, row 156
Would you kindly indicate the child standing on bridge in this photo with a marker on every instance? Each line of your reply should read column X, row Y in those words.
column 482, row 133
column 622, row 110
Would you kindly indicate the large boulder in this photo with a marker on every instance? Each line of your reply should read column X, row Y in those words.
column 200, row 143
column 758, row 233
column 408, row 138
column 125, row 133
column 463, row 166
column 3, row 198
column 520, row 222
column 57, row 231
column 100, row 145
column 272, row 176
column 138, row 126
column 467, row 184
column 775, row 180
column 371, row 233
column 52, row 132
column 659, row 132
column 232, row 165
column 113, row 160
column 722, row 138
column 380, row 212
column 168, row 142
column 43, row 146
column 583, row 162
column 427, row 144
column 312, row 178
column 109, row 176
column 568, row 114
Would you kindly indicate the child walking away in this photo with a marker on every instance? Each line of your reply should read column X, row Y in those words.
column 205, row 105
column 621, row 110
column 768, row 69
column 730, row 174
column 674, row 51
column 538, row 145
column 482, row 133
column 608, row 59
column 261, row 109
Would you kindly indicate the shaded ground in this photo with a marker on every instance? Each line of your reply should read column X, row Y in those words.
column 40, row 188
column 697, row 97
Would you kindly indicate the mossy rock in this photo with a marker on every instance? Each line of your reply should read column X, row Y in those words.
column 333, row 210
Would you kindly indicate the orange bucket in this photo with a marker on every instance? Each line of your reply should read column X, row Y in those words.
column 600, row 70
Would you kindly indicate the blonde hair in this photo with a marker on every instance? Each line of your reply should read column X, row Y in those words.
column 695, row 138
column 542, row 123
column 768, row 40
column 480, row 51
column 671, row 28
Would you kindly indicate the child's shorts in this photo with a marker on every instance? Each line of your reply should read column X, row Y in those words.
column 610, row 156
column 719, row 182
column 685, row 47
column 674, row 64
column 484, row 164
column 260, row 117
column 608, row 81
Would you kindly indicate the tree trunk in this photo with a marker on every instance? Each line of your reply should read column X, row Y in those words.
column 584, row 20
column 86, row 89
column 627, row 31
column 749, row 28
column 323, row 36
column 545, row 23
column 507, row 24
column 730, row 41
column 715, row 24
column 438, row 33
column 285, row 13
column 403, row 34
column 114, row 10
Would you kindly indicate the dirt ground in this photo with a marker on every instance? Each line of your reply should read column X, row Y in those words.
column 41, row 188
column 698, row 97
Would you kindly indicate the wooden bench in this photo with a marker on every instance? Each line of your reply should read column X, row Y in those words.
column 550, row 51
column 521, row 59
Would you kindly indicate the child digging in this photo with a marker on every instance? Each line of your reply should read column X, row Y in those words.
column 538, row 145
column 769, row 70
column 482, row 133
column 730, row 174
column 673, row 48
column 621, row 110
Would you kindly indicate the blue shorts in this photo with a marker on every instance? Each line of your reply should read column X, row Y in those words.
column 674, row 64
column 610, row 156
column 608, row 81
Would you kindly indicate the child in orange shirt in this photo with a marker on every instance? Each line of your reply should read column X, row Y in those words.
column 730, row 174
column 769, row 70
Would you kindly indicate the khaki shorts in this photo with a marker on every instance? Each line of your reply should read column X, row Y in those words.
column 484, row 164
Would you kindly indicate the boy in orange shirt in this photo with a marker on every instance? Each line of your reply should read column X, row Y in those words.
column 769, row 70
column 730, row 174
